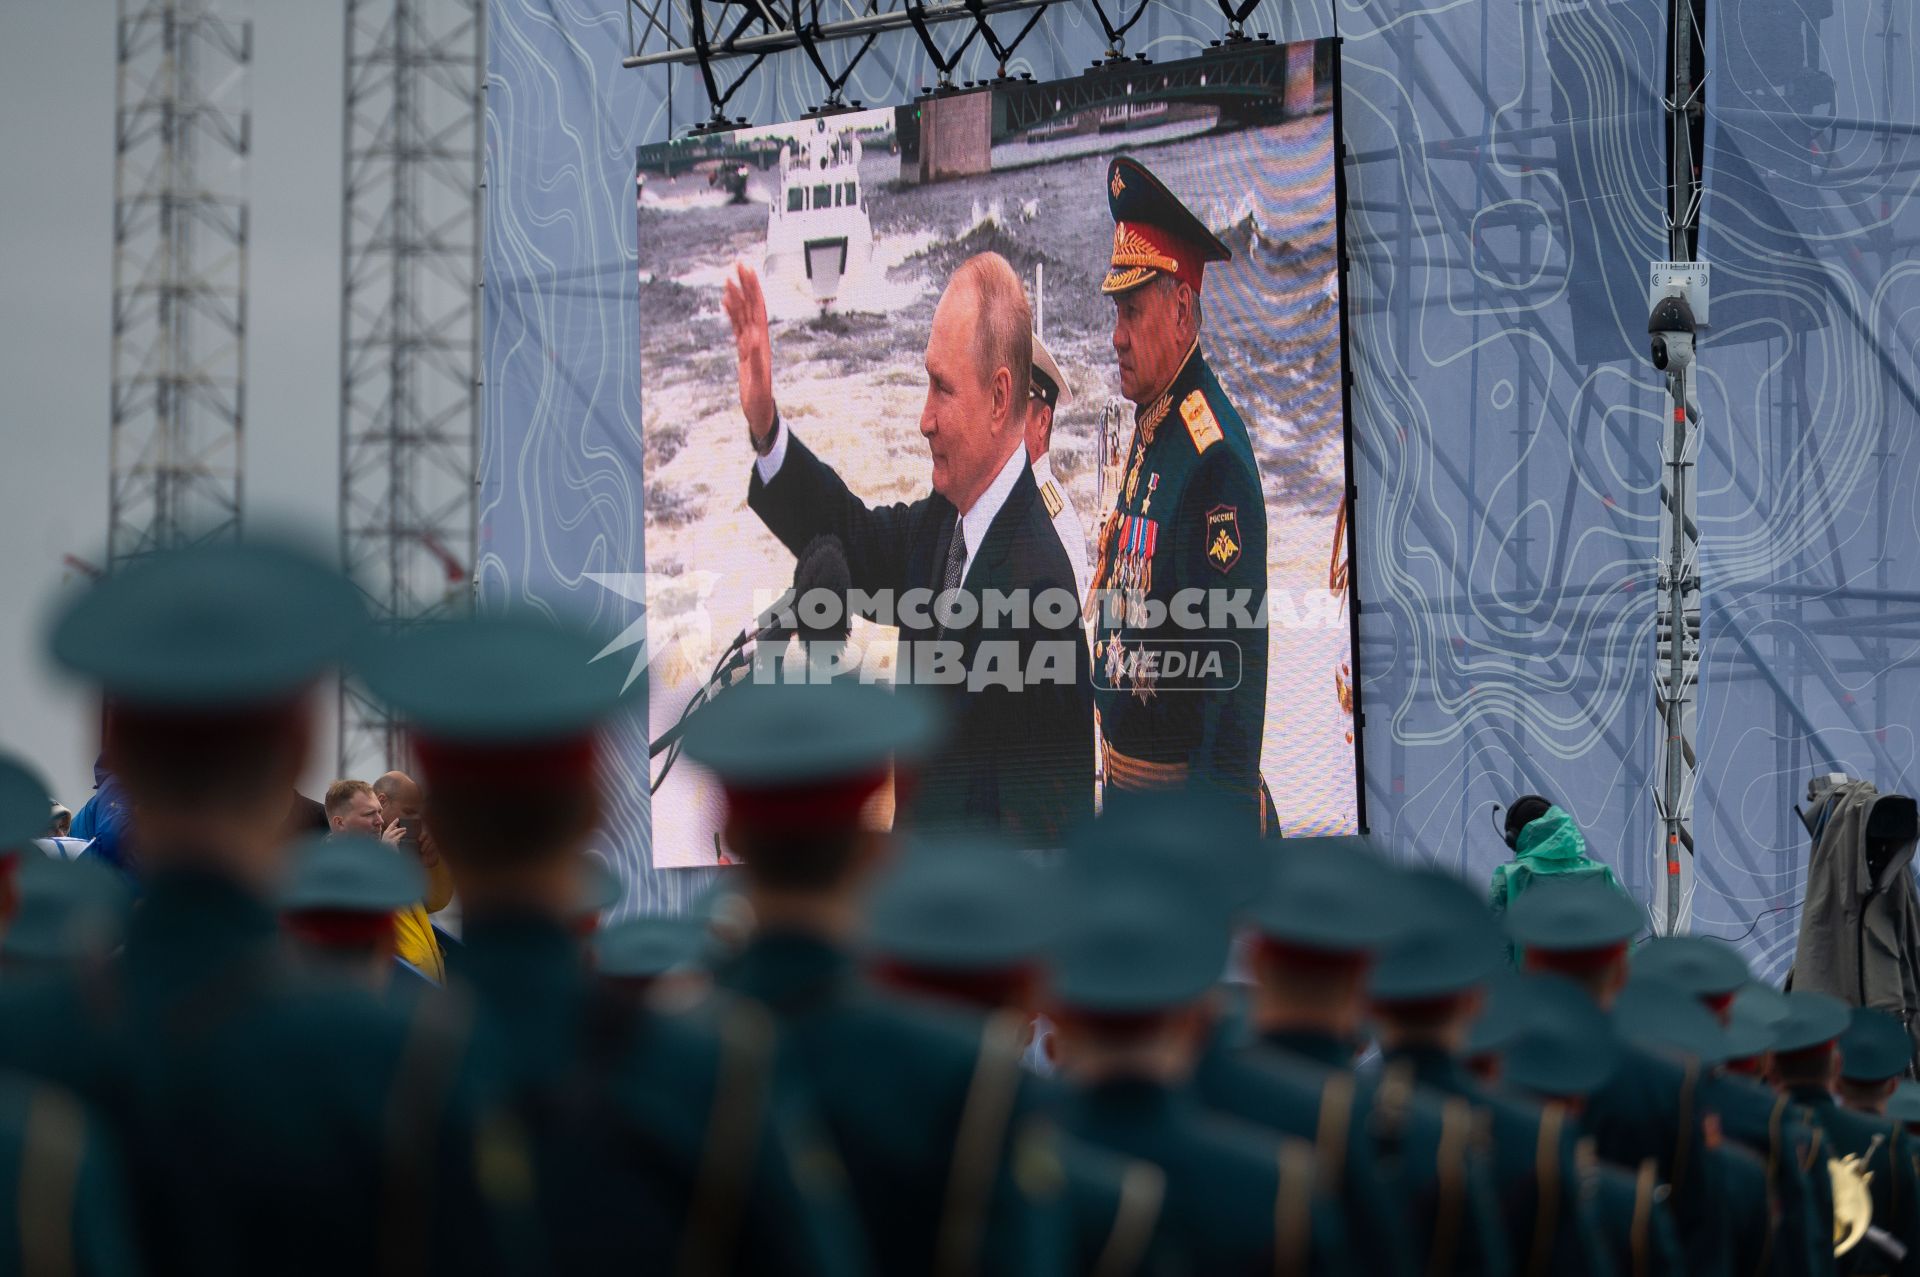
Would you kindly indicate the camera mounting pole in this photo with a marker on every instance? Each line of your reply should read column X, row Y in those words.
column 1678, row 301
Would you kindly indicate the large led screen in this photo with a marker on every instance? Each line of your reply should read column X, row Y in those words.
column 1035, row 393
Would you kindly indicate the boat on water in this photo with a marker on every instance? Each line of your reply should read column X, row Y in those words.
column 819, row 237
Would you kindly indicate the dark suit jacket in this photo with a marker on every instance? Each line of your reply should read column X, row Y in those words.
column 1016, row 758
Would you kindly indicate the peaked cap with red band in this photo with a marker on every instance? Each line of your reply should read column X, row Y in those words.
column 1154, row 234
column 807, row 756
column 499, row 700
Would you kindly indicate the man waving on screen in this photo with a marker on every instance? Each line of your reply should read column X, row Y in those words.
column 1019, row 752
column 1180, row 575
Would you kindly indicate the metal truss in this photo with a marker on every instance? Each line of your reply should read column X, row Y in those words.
column 708, row 32
column 178, row 407
column 409, row 323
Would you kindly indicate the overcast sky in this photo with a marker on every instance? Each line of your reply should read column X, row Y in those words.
column 56, row 203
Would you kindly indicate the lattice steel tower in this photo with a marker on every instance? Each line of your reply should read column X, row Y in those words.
column 409, row 322
column 178, row 407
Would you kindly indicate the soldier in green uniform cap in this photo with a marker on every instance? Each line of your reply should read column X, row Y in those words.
column 1131, row 975
column 1419, row 1194
column 931, row 1114
column 339, row 906
column 1189, row 524
column 1806, row 1066
column 1428, row 985
column 264, row 1117
column 659, row 1140
column 1763, row 1234
column 68, row 1209
column 642, row 956
column 1770, row 1126
column 1555, row 1047
column 1583, row 929
column 1875, row 1053
column 966, row 923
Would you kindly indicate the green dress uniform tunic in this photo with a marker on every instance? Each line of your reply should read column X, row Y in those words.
column 61, row 1175
column 1778, row 1131
column 1550, row 1229
column 1189, row 517
column 1634, row 1220
column 1405, row 1163
column 1884, row 1146
column 932, row 1118
column 263, row 1116
column 660, row 1142
column 1236, row 1199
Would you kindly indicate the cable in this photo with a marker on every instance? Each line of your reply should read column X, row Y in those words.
column 1758, row 919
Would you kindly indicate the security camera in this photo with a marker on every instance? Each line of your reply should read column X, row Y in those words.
column 1671, row 325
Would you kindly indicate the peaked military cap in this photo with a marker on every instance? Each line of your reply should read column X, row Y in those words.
column 1761, row 1002
column 1331, row 894
column 1049, row 387
column 1811, row 1020
column 1448, row 944
column 1501, row 1017
column 1573, row 916
column 212, row 627
column 1562, row 1044
column 26, row 808
column 600, row 888
column 490, row 680
column 1904, row 1104
column 1874, row 1047
column 1127, row 948
column 69, row 910
column 780, row 735
column 351, row 875
column 961, row 906
column 1750, row 1024
column 1154, row 234
column 1182, row 837
column 1662, row 1017
column 643, row 948
column 1698, row 966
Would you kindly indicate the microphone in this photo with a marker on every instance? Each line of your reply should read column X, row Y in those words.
column 821, row 565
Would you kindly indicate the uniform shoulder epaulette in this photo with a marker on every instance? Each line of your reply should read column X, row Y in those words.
column 1050, row 497
column 1201, row 423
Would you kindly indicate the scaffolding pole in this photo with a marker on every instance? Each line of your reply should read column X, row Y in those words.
column 409, row 324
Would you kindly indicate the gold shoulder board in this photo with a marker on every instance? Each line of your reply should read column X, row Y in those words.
column 1050, row 496
column 1200, row 420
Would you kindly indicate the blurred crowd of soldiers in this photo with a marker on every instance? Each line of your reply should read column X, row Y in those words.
column 1167, row 1048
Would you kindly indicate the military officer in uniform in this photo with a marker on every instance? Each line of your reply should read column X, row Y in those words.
column 1049, row 394
column 71, row 911
column 965, row 924
column 946, row 1156
column 264, row 1118
column 68, row 1207
column 1417, row 1192
column 1768, row 1125
column 1875, row 1053
column 1131, row 979
column 1583, row 929
column 339, row 907
column 1180, row 679
column 660, row 1141
column 1555, row 1047
column 1806, row 1065
column 1426, row 988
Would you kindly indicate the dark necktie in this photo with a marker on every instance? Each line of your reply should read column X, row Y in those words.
column 954, row 573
